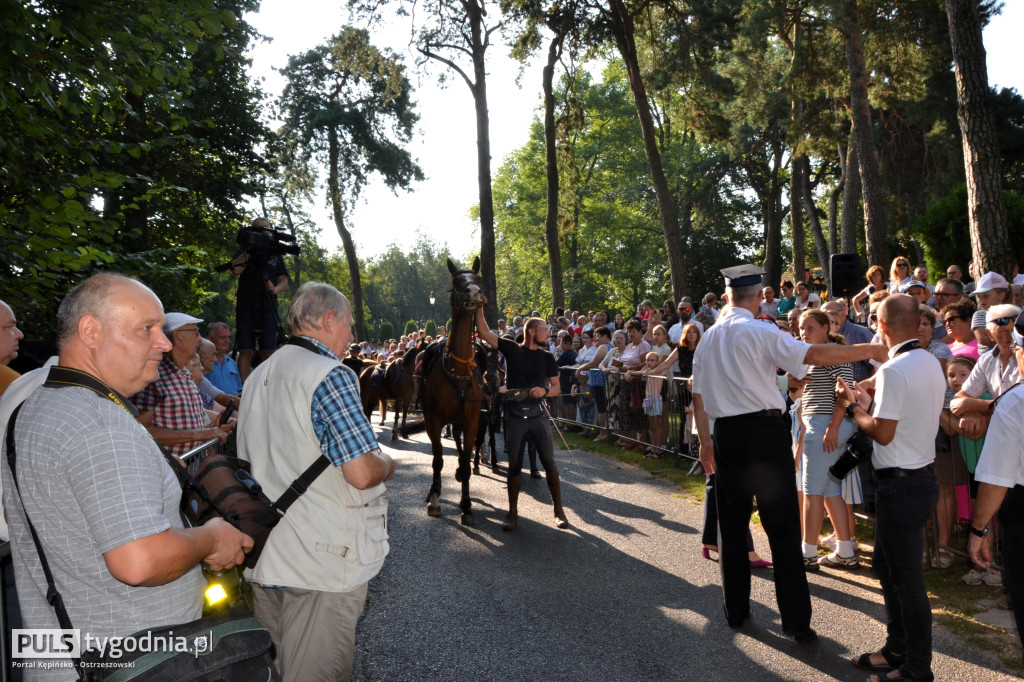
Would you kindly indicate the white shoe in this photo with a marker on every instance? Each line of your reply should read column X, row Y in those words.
column 993, row 577
column 835, row 561
column 974, row 576
column 828, row 542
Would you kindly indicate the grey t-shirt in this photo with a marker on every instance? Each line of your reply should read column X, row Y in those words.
column 92, row 480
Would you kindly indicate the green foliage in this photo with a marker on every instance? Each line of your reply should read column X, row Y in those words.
column 126, row 142
column 398, row 283
column 430, row 327
column 385, row 332
column 410, row 327
column 943, row 231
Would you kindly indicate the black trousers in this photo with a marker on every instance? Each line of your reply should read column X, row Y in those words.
column 538, row 430
column 753, row 458
column 1011, row 515
column 709, row 534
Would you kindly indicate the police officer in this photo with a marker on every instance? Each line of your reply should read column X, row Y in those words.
column 734, row 383
column 1000, row 474
column 532, row 376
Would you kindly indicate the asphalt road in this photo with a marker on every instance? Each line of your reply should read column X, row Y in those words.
column 622, row 595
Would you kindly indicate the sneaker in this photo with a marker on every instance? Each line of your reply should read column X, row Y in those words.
column 828, row 542
column 993, row 577
column 836, row 561
column 974, row 576
column 811, row 563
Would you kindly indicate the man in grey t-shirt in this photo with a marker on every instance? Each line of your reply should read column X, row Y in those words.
column 100, row 495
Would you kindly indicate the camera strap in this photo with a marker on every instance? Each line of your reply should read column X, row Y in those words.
column 53, row 595
column 913, row 344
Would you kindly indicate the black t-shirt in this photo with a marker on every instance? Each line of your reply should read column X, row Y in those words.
column 250, row 283
column 527, row 368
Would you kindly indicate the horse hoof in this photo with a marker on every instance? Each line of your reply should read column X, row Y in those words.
column 394, row 435
column 433, row 510
column 458, row 475
column 468, row 520
column 476, row 471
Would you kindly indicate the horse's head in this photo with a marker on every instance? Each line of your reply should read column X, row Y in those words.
column 467, row 290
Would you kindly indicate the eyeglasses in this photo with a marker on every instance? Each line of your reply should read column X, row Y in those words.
column 903, row 265
column 1002, row 321
column 950, row 320
column 872, row 318
column 189, row 331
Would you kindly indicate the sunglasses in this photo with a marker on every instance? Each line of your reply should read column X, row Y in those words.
column 1002, row 321
column 903, row 265
column 950, row 320
column 873, row 318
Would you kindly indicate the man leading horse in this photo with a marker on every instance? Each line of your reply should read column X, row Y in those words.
column 531, row 377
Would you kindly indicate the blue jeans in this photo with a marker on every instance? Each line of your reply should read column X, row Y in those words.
column 903, row 507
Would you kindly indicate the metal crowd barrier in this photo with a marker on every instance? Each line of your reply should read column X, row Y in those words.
column 626, row 413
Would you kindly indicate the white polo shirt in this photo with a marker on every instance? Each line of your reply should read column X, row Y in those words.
column 990, row 375
column 675, row 332
column 909, row 388
column 1002, row 458
column 735, row 362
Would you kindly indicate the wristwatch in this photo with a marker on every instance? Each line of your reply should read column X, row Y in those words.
column 849, row 410
column 979, row 533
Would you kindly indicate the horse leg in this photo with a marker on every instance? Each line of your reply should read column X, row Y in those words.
column 394, row 428
column 471, row 417
column 434, row 496
column 383, row 410
column 490, row 444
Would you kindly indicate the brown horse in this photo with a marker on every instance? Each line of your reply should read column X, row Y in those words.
column 490, row 410
column 453, row 388
column 396, row 384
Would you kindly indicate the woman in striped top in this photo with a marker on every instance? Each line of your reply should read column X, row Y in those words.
column 826, row 428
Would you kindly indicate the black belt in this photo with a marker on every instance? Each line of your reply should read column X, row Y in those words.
column 897, row 472
column 762, row 413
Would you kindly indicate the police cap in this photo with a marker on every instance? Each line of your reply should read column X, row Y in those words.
column 742, row 275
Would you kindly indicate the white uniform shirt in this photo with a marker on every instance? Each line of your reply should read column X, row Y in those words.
column 735, row 362
column 675, row 332
column 17, row 393
column 1002, row 458
column 990, row 375
column 909, row 388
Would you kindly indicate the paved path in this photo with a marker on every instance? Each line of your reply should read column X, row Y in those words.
column 622, row 595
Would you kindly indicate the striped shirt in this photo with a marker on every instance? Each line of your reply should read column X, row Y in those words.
column 819, row 393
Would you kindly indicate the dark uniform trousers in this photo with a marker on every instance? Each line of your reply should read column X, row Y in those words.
column 1011, row 515
column 754, row 458
column 535, row 428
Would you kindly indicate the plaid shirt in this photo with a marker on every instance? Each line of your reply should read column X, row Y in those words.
column 175, row 402
column 338, row 419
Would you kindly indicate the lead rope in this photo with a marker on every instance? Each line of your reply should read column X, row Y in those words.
column 572, row 455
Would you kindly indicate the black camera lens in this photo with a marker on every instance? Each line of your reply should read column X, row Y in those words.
column 858, row 448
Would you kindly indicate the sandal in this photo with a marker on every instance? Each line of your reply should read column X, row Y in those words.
column 892, row 661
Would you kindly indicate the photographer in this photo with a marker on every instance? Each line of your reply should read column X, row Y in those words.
column 907, row 406
column 262, row 275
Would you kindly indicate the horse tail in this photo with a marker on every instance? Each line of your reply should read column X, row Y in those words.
column 415, row 425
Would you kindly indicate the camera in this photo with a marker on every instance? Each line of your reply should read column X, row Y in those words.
column 262, row 244
column 858, row 449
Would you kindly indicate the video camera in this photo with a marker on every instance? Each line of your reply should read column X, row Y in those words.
column 262, row 244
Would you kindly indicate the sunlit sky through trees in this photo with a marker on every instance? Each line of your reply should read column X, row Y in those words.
column 446, row 144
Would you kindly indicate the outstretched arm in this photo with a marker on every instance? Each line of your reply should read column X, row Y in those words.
column 486, row 335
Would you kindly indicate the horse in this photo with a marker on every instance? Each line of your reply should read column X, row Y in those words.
column 490, row 411
column 396, row 384
column 452, row 387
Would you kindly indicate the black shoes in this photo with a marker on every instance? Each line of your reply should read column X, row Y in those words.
column 805, row 636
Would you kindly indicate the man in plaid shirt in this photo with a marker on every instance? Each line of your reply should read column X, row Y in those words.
column 171, row 408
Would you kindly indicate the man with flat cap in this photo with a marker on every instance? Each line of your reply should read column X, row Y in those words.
column 734, row 383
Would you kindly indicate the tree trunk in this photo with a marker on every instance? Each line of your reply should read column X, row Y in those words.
column 867, row 157
column 770, row 199
column 796, row 215
column 551, row 169
column 990, row 244
column 813, row 221
column 483, row 154
column 338, row 208
column 833, row 203
column 851, row 200
column 622, row 27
